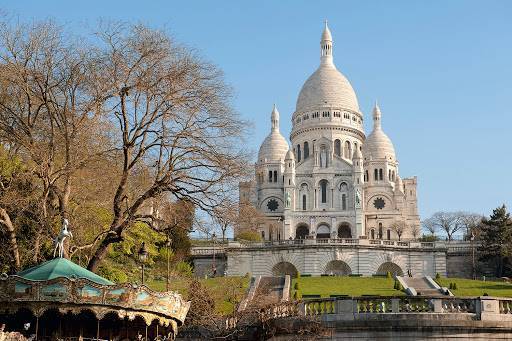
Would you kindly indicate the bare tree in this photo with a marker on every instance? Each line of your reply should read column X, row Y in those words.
column 448, row 222
column 415, row 231
column 428, row 224
column 172, row 113
column 249, row 217
column 399, row 227
column 48, row 111
column 471, row 223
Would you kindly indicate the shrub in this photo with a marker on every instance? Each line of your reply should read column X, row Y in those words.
column 486, row 294
column 395, row 286
column 454, row 286
column 113, row 274
column 388, row 274
column 450, row 286
column 184, row 268
column 298, row 274
column 251, row 236
column 400, row 286
column 297, row 295
column 438, row 276
column 296, row 286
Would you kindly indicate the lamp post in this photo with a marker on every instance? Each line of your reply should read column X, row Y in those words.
column 168, row 243
column 214, row 267
column 143, row 256
column 473, row 255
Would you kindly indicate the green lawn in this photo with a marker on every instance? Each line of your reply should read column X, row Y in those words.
column 221, row 289
column 469, row 287
column 351, row 286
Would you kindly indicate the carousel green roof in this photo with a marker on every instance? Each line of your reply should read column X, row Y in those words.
column 60, row 267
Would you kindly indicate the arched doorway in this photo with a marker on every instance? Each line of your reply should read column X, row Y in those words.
column 284, row 268
column 323, row 231
column 338, row 268
column 344, row 231
column 302, row 231
column 390, row 267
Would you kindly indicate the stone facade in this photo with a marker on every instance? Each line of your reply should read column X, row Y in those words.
column 318, row 259
column 334, row 182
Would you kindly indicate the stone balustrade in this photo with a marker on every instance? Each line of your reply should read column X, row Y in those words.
column 451, row 247
column 483, row 308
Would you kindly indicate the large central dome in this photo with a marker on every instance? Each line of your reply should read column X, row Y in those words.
column 327, row 87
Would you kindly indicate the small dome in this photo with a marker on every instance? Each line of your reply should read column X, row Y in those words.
column 378, row 145
column 289, row 155
column 274, row 147
column 357, row 154
column 327, row 87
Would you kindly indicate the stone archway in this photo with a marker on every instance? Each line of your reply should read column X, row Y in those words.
column 338, row 268
column 390, row 267
column 284, row 268
column 344, row 231
column 302, row 231
column 323, row 232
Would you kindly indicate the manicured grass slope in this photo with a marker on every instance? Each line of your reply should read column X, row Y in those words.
column 351, row 286
column 469, row 287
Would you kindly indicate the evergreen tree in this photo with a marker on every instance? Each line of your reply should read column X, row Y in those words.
column 495, row 238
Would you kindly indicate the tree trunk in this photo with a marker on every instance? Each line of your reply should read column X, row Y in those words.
column 6, row 220
column 99, row 254
column 101, row 251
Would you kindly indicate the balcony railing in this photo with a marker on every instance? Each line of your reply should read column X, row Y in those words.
column 451, row 247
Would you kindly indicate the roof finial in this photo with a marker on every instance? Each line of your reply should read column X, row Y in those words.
column 326, row 47
column 376, row 116
column 274, row 117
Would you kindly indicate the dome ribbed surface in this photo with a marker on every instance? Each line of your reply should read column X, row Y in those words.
column 378, row 146
column 327, row 87
column 274, row 147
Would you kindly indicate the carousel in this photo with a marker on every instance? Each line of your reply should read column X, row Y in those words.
column 60, row 300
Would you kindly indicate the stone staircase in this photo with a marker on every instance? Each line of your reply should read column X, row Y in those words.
column 266, row 290
column 424, row 286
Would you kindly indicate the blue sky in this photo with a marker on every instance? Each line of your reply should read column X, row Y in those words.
column 441, row 71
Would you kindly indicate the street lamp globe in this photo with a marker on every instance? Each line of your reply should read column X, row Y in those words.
column 143, row 253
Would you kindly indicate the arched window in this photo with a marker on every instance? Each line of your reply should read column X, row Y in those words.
column 306, row 150
column 372, row 234
column 270, row 176
column 389, row 234
column 348, row 150
column 381, row 177
column 298, row 153
column 343, row 201
column 304, row 202
column 389, row 174
column 366, row 177
column 337, row 147
column 380, row 230
column 275, row 176
column 376, row 174
column 323, row 191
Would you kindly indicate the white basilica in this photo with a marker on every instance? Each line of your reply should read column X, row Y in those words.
column 334, row 182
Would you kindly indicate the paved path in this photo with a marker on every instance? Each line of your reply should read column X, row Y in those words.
column 422, row 286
